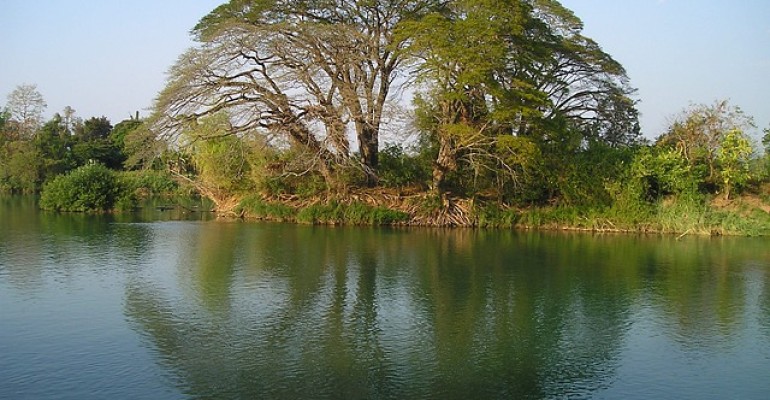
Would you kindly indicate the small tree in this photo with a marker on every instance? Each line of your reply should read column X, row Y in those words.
column 26, row 106
column 699, row 132
column 733, row 158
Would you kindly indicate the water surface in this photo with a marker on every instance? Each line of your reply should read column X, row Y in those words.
column 156, row 307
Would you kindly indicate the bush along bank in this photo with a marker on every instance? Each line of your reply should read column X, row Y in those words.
column 90, row 188
column 94, row 188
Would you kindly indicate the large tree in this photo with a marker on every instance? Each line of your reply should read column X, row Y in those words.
column 582, row 83
column 306, row 72
column 496, row 70
column 501, row 76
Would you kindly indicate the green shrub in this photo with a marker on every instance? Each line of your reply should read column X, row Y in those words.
column 362, row 214
column 149, row 182
column 309, row 186
column 90, row 188
column 398, row 169
column 665, row 171
column 493, row 216
column 304, row 186
column 353, row 214
column 321, row 213
column 258, row 208
column 386, row 216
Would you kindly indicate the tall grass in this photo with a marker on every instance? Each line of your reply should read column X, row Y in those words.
column 332, row 213
column 671, row 216
column 350, row 214
column 255, row 207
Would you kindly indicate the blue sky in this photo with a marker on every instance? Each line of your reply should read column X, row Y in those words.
column 101, row 57
column 109, row 57
column 679, row 52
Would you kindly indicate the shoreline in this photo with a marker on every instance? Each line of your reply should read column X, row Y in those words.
column 741, row 217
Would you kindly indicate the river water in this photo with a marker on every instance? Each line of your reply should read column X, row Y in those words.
column 173, row 305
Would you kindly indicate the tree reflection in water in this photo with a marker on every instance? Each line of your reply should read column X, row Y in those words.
column 229, row 309
column 281, row 311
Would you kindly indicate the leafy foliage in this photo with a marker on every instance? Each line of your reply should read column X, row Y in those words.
column 665, row 171
column 219, row 158
column 148, row 183
column 91, row 188
column 55, row 142
column 398, row 169
column 733, row 158
column 354, row 213
column 21, row 167
column 699, row 131
column 496, row 70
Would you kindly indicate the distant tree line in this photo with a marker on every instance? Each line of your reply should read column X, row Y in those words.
column 33, row 151
column 79, row 165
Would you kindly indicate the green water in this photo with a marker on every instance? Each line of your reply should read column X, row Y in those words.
column 160, row 306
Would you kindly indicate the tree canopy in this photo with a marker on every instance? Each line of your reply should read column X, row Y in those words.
column 307, row 74
column 500, row 75
column 319, row 75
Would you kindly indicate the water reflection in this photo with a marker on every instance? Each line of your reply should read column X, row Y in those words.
column 35, row 246
column 293, row 312
column 765, row 303
column 230, row 309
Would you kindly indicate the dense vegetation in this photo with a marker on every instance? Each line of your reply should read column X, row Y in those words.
column 88, row 188
column 79, row 165
column 297, row 111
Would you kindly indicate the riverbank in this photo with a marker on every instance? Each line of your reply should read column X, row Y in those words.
column 744, row 216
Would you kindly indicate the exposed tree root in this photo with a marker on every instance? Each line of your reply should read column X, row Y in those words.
column 452, row 212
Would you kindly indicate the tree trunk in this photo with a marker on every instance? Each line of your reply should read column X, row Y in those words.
column 445, row 162
column 299, row 133
column 438, row 179
column 368, row 145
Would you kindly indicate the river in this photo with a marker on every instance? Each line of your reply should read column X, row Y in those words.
column 174, row 305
